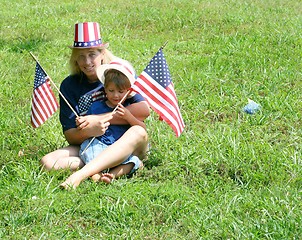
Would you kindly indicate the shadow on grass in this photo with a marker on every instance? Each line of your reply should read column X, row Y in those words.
column 20, row 45
column 153, row 159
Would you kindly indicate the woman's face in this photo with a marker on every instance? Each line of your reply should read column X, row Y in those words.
column 88, row 60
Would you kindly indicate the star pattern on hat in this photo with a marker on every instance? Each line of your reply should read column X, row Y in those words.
column 86, row 44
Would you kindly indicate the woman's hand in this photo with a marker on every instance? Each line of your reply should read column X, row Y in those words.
column 87, row 127
column 94, row 125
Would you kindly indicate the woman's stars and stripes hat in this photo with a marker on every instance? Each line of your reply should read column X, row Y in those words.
column 87, row 35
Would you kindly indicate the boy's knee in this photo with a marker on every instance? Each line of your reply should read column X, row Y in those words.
column 140, row 132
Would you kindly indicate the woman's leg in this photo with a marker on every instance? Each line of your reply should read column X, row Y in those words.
column 64, row 158
column 135, row 140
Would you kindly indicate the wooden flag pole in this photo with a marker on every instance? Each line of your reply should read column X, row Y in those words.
column 55, row 86
column 122, row 100
column 113, row 112
column 162, row 47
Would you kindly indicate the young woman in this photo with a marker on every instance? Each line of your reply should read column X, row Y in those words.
column 80, row 89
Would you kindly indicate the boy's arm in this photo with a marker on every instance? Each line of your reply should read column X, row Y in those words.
column 139, row 110
column 127, row 116
column 134, row 121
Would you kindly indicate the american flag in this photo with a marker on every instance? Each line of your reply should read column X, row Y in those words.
column 156, row 86
column 44, row 103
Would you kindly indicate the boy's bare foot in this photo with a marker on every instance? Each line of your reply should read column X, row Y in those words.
column 107, row 177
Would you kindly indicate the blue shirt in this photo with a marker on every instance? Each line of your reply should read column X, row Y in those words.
column 74, row 88
column 114, row 132
column 80, row 94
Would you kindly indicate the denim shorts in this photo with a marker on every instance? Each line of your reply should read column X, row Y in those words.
column 96, row 147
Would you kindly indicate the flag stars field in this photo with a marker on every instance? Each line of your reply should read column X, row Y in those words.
column 44, row 103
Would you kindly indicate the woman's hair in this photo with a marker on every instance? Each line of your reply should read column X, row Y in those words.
column 74, row 67
column 118, row 78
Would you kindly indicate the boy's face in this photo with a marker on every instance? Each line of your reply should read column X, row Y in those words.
column 114, row 94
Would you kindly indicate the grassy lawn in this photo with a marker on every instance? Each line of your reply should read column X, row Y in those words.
column 230, row 175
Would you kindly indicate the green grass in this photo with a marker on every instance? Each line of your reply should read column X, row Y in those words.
column 229, row 176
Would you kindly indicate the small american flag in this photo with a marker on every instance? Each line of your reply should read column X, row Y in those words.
column 44, row 103
column 156, row 86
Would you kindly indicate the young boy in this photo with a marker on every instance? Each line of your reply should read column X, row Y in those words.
column 117, row 78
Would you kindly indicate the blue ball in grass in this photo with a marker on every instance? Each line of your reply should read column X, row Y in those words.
column 252, row 107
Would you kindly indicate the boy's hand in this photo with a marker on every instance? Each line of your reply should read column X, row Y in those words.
column 122, row 111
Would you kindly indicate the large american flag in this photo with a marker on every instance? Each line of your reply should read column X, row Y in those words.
column 156, row 86
column 44, row 103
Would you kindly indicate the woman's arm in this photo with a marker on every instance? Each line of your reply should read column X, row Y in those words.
column 125, row 114
column 88, row 126
column 96, row 125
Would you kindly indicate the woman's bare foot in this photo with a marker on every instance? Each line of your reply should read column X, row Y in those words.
column 96, row 177
column 107, row 178
column 71, row 182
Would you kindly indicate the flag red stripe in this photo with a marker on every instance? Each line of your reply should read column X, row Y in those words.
column 156, row 101
column 85, row 32
column 76, row 37
column 171, row 90
column 167, row 93
column 161, row 108
column 38, row 104
column 171, row 117
column 37, row 117
column 43, row 100
column 158, row 89
column 44, row 104
column 162, row 92
column 52, row 102
column 34, row 121
column 39, row 113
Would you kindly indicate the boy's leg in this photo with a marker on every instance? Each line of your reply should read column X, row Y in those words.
column 135, row 140
column 116, row 172
column 90, row 149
